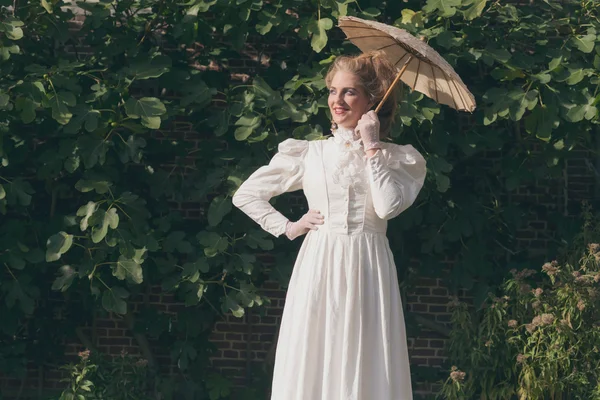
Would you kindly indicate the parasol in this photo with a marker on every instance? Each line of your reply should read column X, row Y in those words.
column 421, row 67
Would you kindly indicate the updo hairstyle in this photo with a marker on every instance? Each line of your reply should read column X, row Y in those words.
column 376, row 74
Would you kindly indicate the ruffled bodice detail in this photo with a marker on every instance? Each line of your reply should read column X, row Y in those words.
column 349, row 169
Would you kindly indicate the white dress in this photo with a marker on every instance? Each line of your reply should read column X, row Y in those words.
column 342, row 334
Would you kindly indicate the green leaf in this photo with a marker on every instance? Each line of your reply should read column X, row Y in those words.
column 86, row 212
column 60, row 103
column 576, row 76
column 11, row 28
column 475, row 9
column 4, row 100
column 410, row 17
column 47, row 6
column 27, row 108
column 371, row 12
column 197, row 92
column 144, row 69
column 148, row 109
column 112, row 300
column 2, row 192
column 213, row 243
column 444, row 8
column 246, row 125
column 319, row 29
column 585, row 43
column 19, row 191
column 102, row 221
column 84, row 116
column 6, row 51
column 135, row 144
column 87, row 185
column 128, row 269
column 66, row 276
column 191, row 270
column 552, row 65
column 92, row 149
column 57, row 245
column 219, row 207
column 500, row 55
column 542, row 121
column 231, row 304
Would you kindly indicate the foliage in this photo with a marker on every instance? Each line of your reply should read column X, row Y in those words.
column 125, row 378
column 540, row 339
column 94, row 161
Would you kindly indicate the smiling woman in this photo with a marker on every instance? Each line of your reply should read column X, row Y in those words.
column 342, row 332
column 358, row 83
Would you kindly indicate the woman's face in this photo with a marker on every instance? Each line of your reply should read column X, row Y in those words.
column 348, row 101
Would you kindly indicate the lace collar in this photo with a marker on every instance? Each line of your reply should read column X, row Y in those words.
column 347, row 137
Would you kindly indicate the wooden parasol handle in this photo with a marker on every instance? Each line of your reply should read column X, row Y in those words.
column 389, row 91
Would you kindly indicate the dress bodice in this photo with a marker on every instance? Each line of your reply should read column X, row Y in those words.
column 349, row 209
column 355, row 193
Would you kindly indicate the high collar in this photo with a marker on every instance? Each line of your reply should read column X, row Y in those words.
column 345, row 135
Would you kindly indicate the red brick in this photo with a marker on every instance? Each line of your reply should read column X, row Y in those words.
column 439, row 292
column 438, row 309
column 434, row 300
column 230, row 354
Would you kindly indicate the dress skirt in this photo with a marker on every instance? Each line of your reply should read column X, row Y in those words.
column 342, row 334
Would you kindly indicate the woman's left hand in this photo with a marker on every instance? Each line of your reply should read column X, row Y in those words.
column 368, row 128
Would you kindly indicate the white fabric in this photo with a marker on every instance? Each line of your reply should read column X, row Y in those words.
column 342, row 334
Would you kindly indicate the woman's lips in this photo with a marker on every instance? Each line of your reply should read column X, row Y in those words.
column 339, row 111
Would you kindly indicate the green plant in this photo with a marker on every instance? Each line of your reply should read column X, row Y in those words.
column 94, row 378
column 540, row 339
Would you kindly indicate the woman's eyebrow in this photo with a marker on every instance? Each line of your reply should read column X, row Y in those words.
column 344, row 88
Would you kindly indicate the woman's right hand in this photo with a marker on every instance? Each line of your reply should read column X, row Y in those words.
column 308, row 222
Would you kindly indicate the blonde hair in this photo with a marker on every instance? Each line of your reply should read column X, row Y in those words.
column 376, row 74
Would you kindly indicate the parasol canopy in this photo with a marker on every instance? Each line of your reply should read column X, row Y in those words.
column 421, row 67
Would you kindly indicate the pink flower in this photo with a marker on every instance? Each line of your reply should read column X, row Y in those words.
column 142, row 362
column 84, row 355
column 547, row 319
column 457, row 375
column 550, row 268
column 512, row 323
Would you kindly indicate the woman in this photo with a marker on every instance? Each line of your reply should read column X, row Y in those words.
column 342, row 334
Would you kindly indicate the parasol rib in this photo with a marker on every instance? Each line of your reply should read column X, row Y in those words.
column 398, row 62
column 435, row 86
column 450, row 88
column 461, row 96
column 417, row 74
column 389, row 45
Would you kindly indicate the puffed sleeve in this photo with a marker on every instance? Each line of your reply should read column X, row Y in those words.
column 396, row 175
column 283, row 174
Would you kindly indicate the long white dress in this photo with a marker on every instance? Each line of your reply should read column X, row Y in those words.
column 342, row 334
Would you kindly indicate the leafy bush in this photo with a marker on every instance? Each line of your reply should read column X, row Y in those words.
column 540, row 338
column 122, row 378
